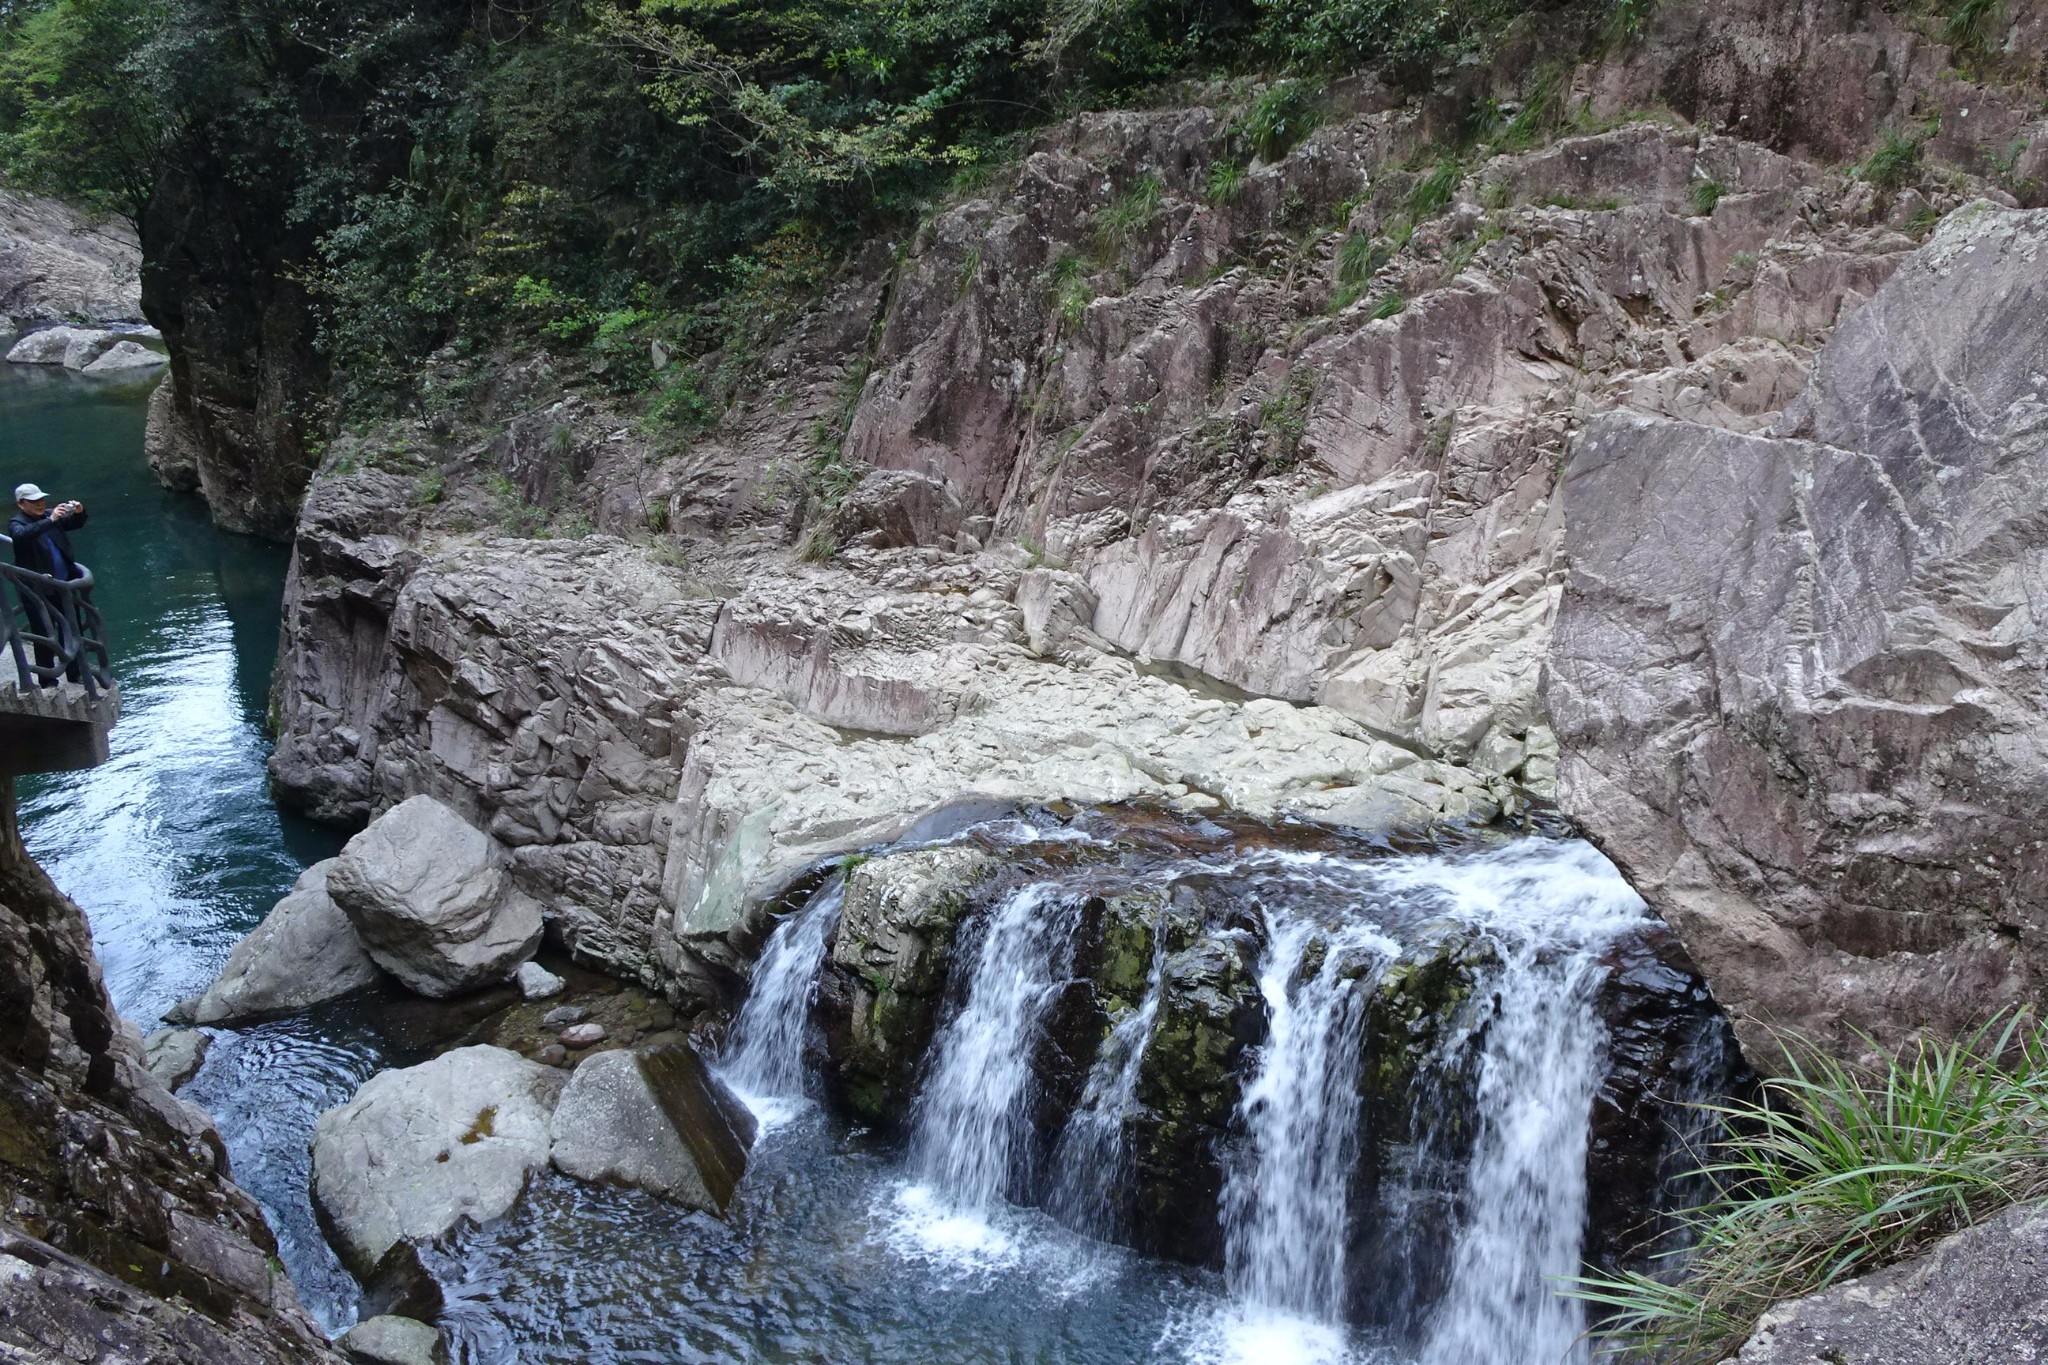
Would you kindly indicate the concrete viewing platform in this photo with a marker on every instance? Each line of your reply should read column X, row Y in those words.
column 55, row 729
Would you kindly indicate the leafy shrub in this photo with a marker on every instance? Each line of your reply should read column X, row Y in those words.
column 1281, row 116
column 1894, row 163
column 1834, row 1171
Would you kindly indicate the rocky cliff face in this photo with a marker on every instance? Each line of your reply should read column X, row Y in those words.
column 1225, row 492
column 1798, row 674
column 58, row 265
column 123, row 1238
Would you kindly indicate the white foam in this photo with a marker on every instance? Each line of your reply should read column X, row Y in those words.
column 1247, row 1334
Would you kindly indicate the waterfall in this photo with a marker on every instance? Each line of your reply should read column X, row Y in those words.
column 1092, row 1162
column 1284, row 1205
column 971, row 1109
column 1551, row 909
column 764, row 1057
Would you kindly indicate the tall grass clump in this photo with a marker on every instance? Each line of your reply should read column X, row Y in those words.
column 1835, row 1170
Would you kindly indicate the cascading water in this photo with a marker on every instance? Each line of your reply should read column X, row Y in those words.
column 1092, row 1161
column 1491, row 1159
column 970, row 1112
column 1552, row 910
column 764, row 1058
column 1284, row 1206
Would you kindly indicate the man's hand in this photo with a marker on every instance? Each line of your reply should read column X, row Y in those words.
column 66, row 509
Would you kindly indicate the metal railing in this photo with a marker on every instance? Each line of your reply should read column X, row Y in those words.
column 52, row 629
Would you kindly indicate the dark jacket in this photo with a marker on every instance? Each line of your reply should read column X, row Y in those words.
column 41, row 545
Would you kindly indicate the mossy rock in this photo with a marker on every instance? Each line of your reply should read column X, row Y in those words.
column 885, row 976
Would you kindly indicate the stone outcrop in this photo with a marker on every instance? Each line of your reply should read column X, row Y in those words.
column 122, row 1238
column 419, row 1150
column 174, row 1055
column 886, row 973
column 1798, row 676
column 124, row 357
column 430, row 902
column 1251, row 503
column 305, row 951
column 390, row 1340
column 1979, row 1297
column 657, row 1120
column 58, row 265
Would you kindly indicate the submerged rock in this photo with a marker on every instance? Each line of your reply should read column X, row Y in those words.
column 431, row 902
column 174, row 1055
column 305, row 951
column 389, row 1340
column 536, row 982
column 658, row 1121
column 419, row 1150
column 1979, row 1297
column 887, row 971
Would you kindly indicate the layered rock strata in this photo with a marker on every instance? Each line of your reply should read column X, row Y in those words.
column 1798, row 676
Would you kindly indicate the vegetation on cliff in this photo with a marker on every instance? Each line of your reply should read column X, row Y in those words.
column 612, row 174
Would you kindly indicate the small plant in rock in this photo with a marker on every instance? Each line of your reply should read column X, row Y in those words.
column 1894, row 163
column 1071, row 292
column 1281, row 116
column 1432, row 194
column 1834, row 1171
column 818, row 546
column 432, row 487
column 1974, row 25
column 1392, row 305
column 1129, row 213
column 1705, row 195
column 1225, row 184
column 680, row 404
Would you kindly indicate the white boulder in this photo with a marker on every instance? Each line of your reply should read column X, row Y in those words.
column 72, row 347
column 126, row 355
column 419, row 1150
column 431, row 902
column 537, row 982
column 305, row 951
column 390, row 1340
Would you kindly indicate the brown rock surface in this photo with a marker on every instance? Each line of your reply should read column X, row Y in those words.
column 123, row 1238
column 1798, row 678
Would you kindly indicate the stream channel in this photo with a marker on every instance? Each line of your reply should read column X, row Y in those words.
column 979, row 1230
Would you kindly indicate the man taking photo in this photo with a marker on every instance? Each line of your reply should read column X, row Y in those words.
column 42, row 545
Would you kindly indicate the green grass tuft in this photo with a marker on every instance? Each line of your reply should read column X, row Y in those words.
column 1280, row 117
column 1432, row 194
column 1894, row 163
column 1705, row 195
column 1834, row 1171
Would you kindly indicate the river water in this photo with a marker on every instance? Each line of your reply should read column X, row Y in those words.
column 841, row 1248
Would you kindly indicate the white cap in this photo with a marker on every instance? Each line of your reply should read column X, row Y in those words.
column 28, row 492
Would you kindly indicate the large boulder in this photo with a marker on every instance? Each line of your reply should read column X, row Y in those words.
column 72, row 347
column 1979, row 1297
column 419, row 1150
column 659, row 1121
column 1798, row 679
column 174, row 1055
column 434, row 907
column 303, row 952
column 886, row 973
